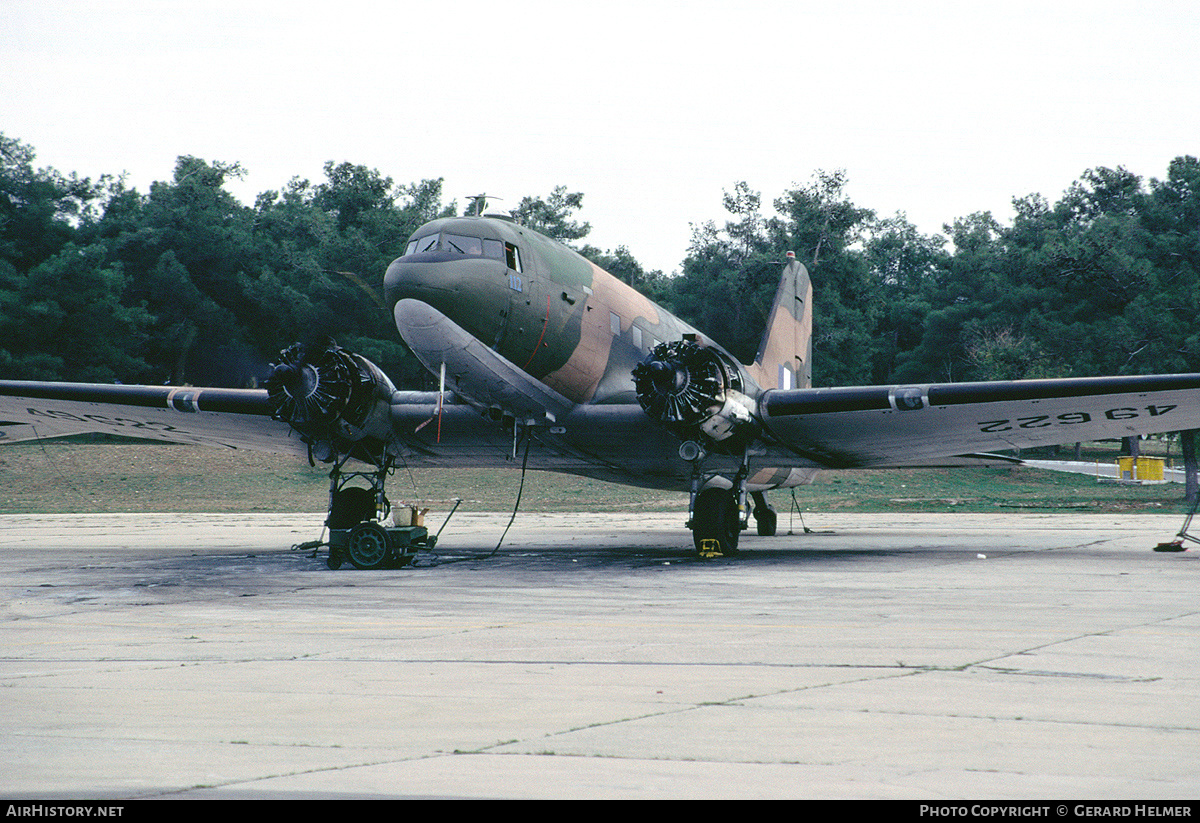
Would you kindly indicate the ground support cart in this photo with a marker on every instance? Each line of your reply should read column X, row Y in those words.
column 373, row 545
column 358, row 529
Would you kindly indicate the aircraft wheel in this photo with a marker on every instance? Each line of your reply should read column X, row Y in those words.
column 351, row 506
column 369, row 546
column 716, row 519
column 766, row 520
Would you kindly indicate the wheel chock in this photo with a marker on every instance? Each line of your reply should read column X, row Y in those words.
column 1173, row 546
column 710, row 548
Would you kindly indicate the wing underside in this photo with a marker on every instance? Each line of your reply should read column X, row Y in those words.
column 233, row 418
column 804, row 430
column 897, row 425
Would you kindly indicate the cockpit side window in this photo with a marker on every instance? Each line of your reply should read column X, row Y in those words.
column 493, row 249
column 512, row 256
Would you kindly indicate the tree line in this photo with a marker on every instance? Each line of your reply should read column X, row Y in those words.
column 185, row 284
column 1104, row 281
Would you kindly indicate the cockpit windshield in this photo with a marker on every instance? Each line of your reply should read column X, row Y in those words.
column 457, row 243
column 467, row 245
column 463, row 244
column 419, row 244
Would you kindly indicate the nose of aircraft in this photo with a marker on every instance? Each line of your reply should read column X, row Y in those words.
column 473, row 292
column 416, row 280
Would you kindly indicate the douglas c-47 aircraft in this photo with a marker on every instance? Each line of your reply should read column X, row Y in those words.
column 548, row 360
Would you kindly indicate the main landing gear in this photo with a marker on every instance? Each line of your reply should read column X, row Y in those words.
column 716, row 522
column 719, row 515
column 357, row 528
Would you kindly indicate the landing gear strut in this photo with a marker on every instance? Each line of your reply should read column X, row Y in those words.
column 356, row 529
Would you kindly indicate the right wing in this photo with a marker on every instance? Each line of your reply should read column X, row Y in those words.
column 235, row 418
column 608, row 442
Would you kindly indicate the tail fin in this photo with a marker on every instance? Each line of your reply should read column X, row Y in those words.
column 785, row 354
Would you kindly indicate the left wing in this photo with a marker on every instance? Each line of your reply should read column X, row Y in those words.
column 897, row 425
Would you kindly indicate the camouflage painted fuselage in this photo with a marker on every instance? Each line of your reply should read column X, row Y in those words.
column 554, row 326
column 548, row 310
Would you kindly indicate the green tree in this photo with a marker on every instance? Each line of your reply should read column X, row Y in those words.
column 907, row 268
column 553, row 215
column 61, row 311
column 1002, row 354
column 39, row 208
column 324, row 252
column 954, row 295
column 729, row 276
column 825, row 229
column 1114, row 289
column 183, row 247
column 67, row 321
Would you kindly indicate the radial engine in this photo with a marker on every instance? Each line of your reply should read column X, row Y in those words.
column 696, row 391
column 339, row 402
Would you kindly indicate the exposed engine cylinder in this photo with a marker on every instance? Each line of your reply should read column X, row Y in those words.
column 693, row 390
column 332, row 397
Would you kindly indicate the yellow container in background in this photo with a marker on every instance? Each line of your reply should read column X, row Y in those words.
column 1146, row 469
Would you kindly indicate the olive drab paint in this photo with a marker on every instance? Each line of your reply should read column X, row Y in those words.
column 566, row 321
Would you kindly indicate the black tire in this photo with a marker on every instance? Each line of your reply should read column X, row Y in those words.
column 350, row 507
column 716, row 518
column 766, row 520
column 369, row 546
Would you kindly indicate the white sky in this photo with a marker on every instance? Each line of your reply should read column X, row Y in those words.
column 652, row 109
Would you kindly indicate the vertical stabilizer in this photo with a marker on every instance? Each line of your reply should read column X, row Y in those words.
column 785, row 354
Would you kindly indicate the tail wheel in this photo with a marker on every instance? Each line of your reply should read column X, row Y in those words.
column 764, row 515
column 369, row 546
column 767, row 521
column 716, row 525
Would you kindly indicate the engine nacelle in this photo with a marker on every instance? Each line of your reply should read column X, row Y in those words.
column 696, row 392
column 335, row 399
column 735, row 415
